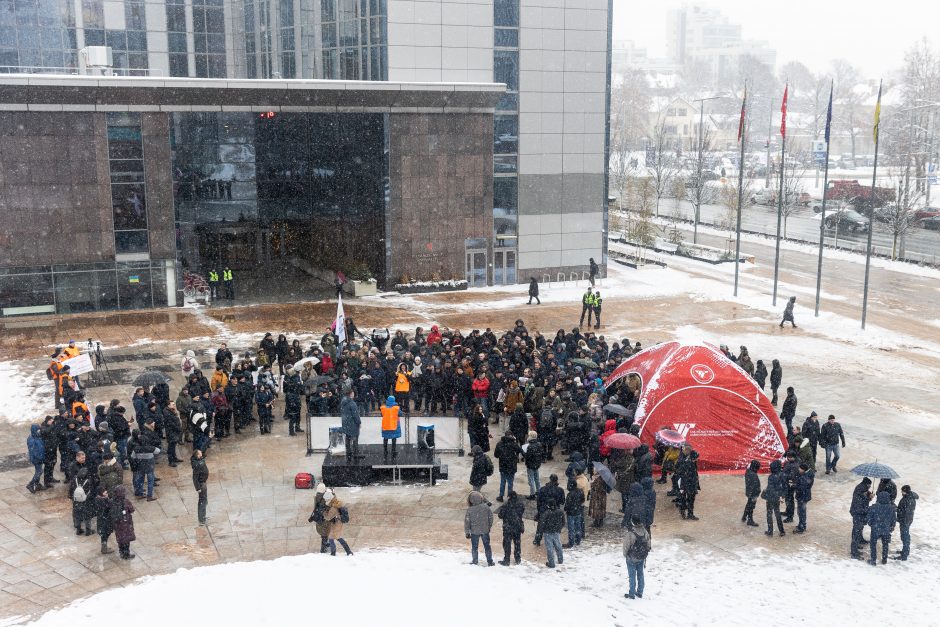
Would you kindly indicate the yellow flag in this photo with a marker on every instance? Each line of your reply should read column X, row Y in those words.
column 877, row 113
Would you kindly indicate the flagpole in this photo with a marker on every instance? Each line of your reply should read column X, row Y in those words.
column 743, row 138
column 822, row 219
column 871, row 208
column 783, row 144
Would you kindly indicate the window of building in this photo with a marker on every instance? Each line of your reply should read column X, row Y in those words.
column 506, row 13
column 37, row 34
column 353, row 35
column 128, row 192
column 209, row 38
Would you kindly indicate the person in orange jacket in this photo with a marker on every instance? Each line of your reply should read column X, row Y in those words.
column 403, row 388
column 219, row 379
column 391, row 425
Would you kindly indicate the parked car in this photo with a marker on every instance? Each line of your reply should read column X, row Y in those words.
column 847, row 220
column 932, row 223
column 764, row 197
column 929, row 212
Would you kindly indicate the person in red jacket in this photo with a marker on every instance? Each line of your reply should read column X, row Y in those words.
column 610, row 428
column 481, row 393
column 434, row 337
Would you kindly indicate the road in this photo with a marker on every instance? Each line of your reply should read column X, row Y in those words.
column 802, row 224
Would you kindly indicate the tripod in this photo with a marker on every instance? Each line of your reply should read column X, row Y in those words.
column 94, row 349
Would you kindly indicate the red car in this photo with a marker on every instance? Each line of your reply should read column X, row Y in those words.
column 929, row 212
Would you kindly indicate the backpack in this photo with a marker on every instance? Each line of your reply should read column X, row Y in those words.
column 79, row 495
column 545, row 421
column 640, row 549
column 187, row 365
column 489, row 467
column 343, row 515
column 49, row 374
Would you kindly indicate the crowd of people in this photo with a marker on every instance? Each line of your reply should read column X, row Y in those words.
column 546, row 392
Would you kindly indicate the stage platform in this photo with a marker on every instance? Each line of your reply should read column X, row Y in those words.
column 373, row 466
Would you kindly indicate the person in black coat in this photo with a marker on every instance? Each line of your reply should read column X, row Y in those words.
column 687, row 474
column 533, row 291
column 830, row 436
column 751, row 491
column 293, row 389
column 791, row 468
column 810, row 431
column 804, row 494
column 905, row 518
column 511, row 513
column 776, row 489
column 881, row 517
column 776, row 378
column 508, row 453
column 550, row 492
column 760, row 373
column 477, row 427
column 887, row 485
column 534, row 457
column 519, row 424
column 644, row 462
column 482, row 468
column 200, row 477
column 788, row 412
column 861, row 497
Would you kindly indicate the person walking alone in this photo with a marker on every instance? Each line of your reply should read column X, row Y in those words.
column 512, row 514
column 788, row 312
column 200, row 477
column 533, row 291
column 776, row 378
column 337, row 515
column 636, row 547
column 593, row 270
column 751, row 491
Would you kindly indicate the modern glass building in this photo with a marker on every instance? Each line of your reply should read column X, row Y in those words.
column 253, row 184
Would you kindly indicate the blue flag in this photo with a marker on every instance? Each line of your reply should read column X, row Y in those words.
column 829, row 116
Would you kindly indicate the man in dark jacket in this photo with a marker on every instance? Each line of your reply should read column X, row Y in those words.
column 507, row 452
column 551, row 522
column 200, row 477
column 881, row 517
column 534, row 456
column 751, row 491
column 650, row 494
column 776, row 489
column 861, row 496
column 687, row 473
column 788, row 412
column 788, row 312
column 50, row 437
column 791, row 468
column 352, row 422
column 37, row 457
column 574, row 513
column 551, row 491
column 511, row 513
column 293, row 390
column 810, row 431
column 905, row 517
column 830, row 436
column 804, row 494
column 533, row 291
column 173, row 428
column 776, row 378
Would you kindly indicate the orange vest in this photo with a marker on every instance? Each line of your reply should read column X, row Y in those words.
column 64, row 382
column 69, row 352
column 78, row 405
column 390, row 418
column 402, row 384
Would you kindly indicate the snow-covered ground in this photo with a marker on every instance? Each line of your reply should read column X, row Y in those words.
column 430, row 589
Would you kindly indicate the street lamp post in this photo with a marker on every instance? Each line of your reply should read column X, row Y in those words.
column 699, row 164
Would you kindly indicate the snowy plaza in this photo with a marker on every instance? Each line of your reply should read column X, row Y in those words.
column 880, row 383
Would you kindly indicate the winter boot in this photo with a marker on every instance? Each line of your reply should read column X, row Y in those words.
column 750, row 521
column 105, row 550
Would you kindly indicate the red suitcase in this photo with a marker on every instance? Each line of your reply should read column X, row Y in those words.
column 303, row 481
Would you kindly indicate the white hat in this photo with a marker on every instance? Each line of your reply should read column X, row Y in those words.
column 321, row 488
column 328, row 496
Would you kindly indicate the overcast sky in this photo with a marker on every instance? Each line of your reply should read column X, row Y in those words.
column 871, row 35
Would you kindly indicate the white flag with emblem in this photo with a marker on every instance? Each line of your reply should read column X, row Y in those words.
column 340, row 324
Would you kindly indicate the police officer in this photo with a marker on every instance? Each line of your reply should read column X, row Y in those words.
column 587, row 306
column 213, row 284
column 598, row 301
column 229, row 280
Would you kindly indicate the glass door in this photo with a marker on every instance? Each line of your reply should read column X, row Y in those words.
column 476, row 268
column 504, row 267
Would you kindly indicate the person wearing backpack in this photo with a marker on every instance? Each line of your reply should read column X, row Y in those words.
column 318, row 516
column 83, row 491
column 337, row 515
column 636, row 547
column 482, row 468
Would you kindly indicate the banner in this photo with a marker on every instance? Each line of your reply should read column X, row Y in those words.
column 79, row 364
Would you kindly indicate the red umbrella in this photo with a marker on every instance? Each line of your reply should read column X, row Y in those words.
column 626, row 441
column 670, row 437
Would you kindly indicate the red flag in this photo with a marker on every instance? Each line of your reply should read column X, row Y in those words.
column 783, row 112
column 743, row 110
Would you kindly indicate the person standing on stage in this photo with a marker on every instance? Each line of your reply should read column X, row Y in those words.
column 391, row 426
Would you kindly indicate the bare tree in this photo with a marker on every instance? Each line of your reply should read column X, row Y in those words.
column 664, row 167
column 729, row 198
column 640, row 228
column 629, row 111
column 849, row 102
column 793, row 186
column 921, row 77
column 899, row 213
column 698, row 193
column 672, row 231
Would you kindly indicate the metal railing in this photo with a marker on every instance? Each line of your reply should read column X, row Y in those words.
column 75, row 71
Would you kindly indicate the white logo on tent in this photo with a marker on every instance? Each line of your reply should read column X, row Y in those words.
column 702, row 373
column 684, row 428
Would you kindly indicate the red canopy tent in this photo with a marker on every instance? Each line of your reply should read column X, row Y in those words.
column 696, row 390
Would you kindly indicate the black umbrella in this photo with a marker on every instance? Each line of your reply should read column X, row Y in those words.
column 318, row 380
column 619, row 410
column 151, row 378
column 875, row 470
column 605, row 474
column 586, row 363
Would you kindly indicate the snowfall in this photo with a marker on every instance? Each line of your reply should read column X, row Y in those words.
column 684, row 583
column 433, row 589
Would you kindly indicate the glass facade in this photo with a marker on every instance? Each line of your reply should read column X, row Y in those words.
column 209, row 38
column 252, row 187
column 506, row 139
column 329, row 39
column 37, row 34
column 128, row 193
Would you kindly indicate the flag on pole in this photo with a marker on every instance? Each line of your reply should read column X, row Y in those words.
column 743, row 110
column 877, row 113
column 829, row 116
column 339, row 327
column 783, row 112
